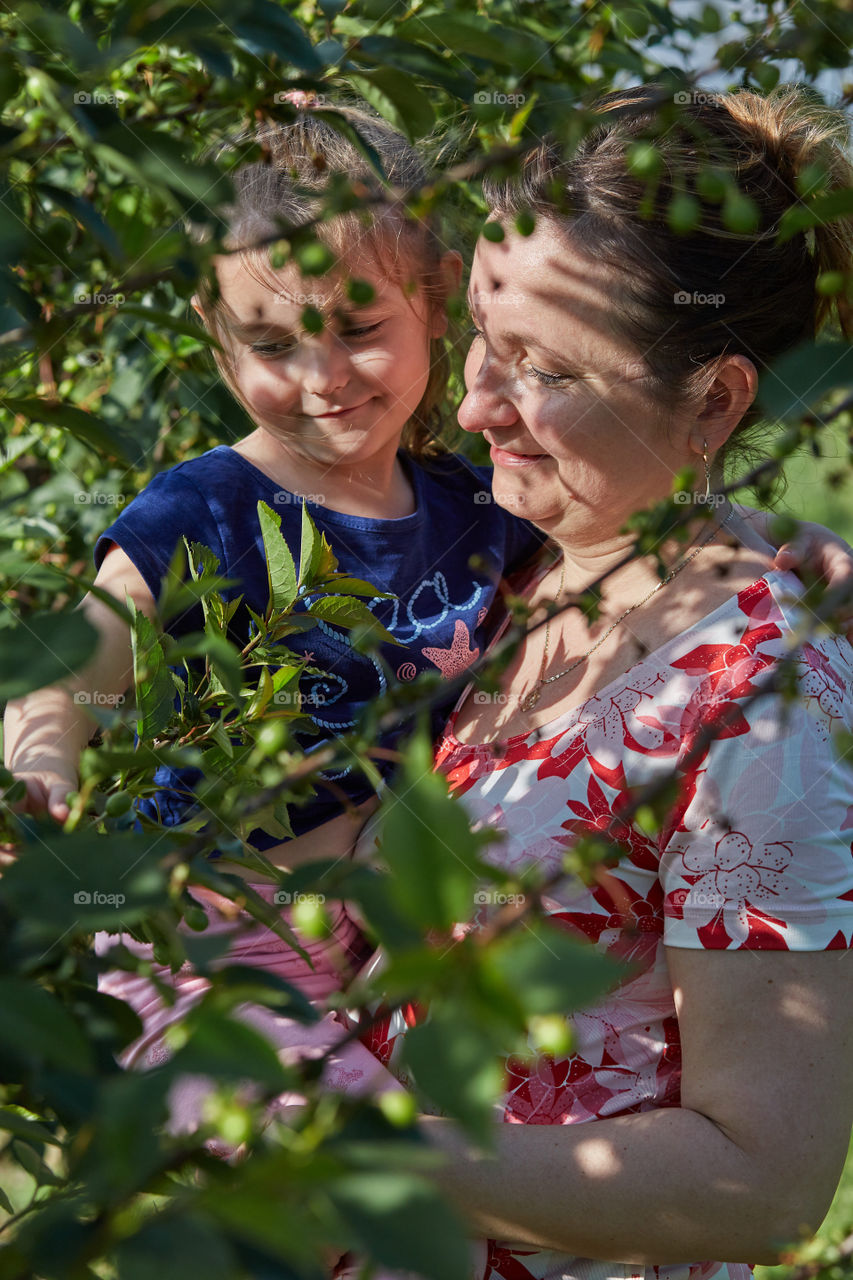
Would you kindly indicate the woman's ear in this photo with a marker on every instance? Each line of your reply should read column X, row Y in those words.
column 451, row 274
column 726, row 401
column 196, row 306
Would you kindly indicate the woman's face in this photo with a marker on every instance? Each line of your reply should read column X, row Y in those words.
column 577, row 439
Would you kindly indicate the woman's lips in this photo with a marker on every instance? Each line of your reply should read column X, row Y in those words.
column 506, row 458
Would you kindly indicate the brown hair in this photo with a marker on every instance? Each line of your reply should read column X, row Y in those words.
column 764, row 144
column 305, row 159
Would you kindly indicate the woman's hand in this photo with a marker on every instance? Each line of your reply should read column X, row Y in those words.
column 813, row 547
column 825, row 553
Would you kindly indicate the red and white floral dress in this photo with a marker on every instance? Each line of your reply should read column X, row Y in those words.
column 756, row 855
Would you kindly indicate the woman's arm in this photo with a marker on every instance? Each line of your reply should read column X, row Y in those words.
column 748, row 1162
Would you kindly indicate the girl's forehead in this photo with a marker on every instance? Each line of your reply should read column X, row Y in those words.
column 249, row 281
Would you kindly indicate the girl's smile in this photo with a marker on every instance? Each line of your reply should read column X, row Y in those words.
column 334, row 399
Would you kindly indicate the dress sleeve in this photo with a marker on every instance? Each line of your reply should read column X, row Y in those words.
column 153, row 524
column 761, row 857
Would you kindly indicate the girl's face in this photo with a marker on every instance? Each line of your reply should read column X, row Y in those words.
column 577, row 438
column 342, row 395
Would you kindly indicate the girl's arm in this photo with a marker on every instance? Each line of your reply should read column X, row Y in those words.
column 748, row 1162
column 45, row 731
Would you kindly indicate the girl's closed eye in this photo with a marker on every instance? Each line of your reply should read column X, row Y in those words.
column 271, row 349
column 354, row 332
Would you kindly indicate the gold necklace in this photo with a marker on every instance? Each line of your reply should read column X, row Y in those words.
column 529, row 701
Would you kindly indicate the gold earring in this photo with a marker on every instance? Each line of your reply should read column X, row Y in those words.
column 707, row 469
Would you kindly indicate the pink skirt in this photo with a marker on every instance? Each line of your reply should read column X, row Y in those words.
column 335, row 961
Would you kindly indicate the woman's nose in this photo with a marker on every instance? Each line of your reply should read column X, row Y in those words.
column 485, row 404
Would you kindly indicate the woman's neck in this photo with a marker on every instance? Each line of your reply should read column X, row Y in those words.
column 613, row 561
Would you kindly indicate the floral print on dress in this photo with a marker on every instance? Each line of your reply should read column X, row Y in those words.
column 756, row 854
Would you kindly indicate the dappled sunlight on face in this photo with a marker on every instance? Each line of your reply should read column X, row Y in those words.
column 566, row 404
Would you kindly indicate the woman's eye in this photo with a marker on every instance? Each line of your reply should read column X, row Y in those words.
column 549, row 379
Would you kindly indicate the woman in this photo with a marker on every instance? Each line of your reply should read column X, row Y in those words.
column 706, row 1111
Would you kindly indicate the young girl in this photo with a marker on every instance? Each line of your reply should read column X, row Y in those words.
column 344, row 420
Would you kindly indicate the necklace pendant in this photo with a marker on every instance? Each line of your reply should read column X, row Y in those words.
column 529, row 701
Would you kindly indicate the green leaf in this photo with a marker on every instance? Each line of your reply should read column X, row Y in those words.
column 36, row 1027
column 227, row 1049
column 418, row 60
column 803, row 376
column 403, row 1223
column 146, row 154
column 100, row 436
column 22, row 1127
column 310, row 547
column 347, row 611
column 820, row 210
column 457, row 1066
column 281, row 571
column 344, row 585
column 75, row 883
column 264, row 27
column 30, row 1160
column 397, row 97
column 124, row 1151
column 83, row 211
column 427, row 843
column 165, row 320
column 550, row 971
column 43, row 649
column 479, row 37
column 155, row 693
column 172, row 1246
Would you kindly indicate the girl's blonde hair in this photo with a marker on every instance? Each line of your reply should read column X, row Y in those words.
column 303, row 160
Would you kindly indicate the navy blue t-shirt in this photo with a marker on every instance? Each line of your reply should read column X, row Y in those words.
column 422, row 559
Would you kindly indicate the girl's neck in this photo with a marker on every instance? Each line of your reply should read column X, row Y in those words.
column 377, row 488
